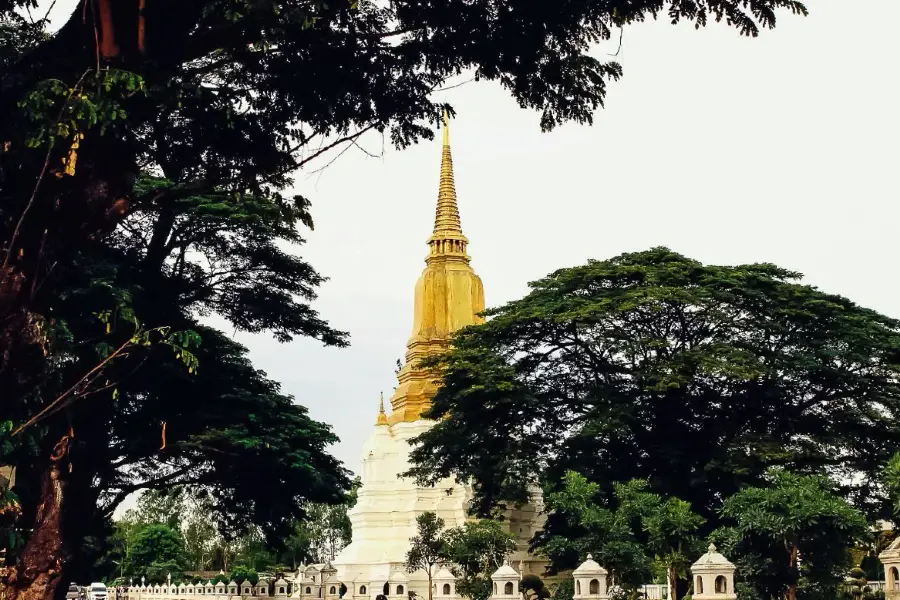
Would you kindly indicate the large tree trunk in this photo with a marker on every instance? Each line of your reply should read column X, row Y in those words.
column 40, row 566
column 49, row 216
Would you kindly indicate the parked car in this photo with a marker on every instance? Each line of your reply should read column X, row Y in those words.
column 97, row 591
column 73, row 593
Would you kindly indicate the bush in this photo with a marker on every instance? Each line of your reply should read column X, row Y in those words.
column 565, row 590
column 240, row 574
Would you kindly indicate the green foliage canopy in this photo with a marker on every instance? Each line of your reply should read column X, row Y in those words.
column 240, row 574
column 428, row 547
column 225, row 418
column 156, row 551
column 667, row 527
column 602, row 528
column 696, row 378
column 475, row 550
column 790, row 537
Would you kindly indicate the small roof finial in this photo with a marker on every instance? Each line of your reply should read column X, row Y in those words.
column 712, row 548
column 382, row 418
column 447, row 227
column 590, row 556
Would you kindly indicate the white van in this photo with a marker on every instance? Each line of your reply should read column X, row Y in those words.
column 97, row 591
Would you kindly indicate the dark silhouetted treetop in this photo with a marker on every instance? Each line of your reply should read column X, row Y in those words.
column 696, row 378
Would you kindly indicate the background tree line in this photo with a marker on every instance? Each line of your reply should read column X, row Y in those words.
column 172, row 532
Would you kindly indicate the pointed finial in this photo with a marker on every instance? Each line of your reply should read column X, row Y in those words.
column 447, row 238
column 590, row 556
column 446, row 118
column 382, row 418
column 712, row 548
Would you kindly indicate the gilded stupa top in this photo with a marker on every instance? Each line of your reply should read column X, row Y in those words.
column 382, row 417
column 447, row 237
column 448, row 297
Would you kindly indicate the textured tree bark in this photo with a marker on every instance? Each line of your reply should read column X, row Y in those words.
column 39, row 568
column 672, row 580
column 792, row 588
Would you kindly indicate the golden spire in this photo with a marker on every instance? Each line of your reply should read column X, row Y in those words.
column 447, row 238
column 382, row 418
column 448, row 297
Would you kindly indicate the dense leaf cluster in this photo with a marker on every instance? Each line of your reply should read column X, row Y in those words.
column 630, row 533
column 790, row 537
column 472, row 551
column 696, row 378
column 224, row 431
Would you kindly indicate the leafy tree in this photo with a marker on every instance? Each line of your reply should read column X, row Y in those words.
column 474, row 551
column 156, row 550
column 623, row 360
column 199, row 542
column 226, row 414
column 222, row 103
column 252, row 552
column 328, row 530
column 160, row 506
column 240, row 574
column 162, row 426
column 891, row 478
column 596, row 527
column 114, row 549
column 668, row 528
column 790, row 538
column 319, row 536
column 564, row 590
column 428, row 547
column 159, row 572
column 298, row 545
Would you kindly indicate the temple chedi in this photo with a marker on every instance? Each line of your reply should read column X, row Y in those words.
column 448, row 296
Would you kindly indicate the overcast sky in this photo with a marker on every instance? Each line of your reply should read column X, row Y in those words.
column 729, row 150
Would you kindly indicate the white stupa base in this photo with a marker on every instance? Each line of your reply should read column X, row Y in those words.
column 384, row 517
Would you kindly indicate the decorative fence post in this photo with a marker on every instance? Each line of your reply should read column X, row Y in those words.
column 713, row 577
column 444, row 584
column 590, row 581
column 505, row 583
column 890, row 558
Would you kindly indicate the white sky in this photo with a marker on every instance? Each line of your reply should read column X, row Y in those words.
column 729, row 150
